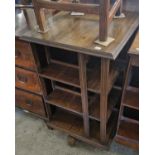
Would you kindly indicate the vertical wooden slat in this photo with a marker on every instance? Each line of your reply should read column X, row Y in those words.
column 84, row 95
column 126, row 81
column 41, row 81
column 103, row 21
column 48, row 109
column 104, row 98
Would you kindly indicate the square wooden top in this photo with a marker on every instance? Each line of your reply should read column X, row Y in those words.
column 79, row 33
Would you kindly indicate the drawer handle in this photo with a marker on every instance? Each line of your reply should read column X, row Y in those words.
column 29, row 102
column 17, row 53
column 22, row 78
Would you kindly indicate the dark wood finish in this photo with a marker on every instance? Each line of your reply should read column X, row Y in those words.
column 77, row 96
column 70, row 75
column 73, row 125
column 60, row 98
column 23, row 55
column 128, row 133
column 65, row 100
column 131, row 99
column 94, row 83
column 84, row 95
column 61, row 73
column 94, row 106
column 30, row 102
column 64, row 64
column 105, row 64
column 27, row 80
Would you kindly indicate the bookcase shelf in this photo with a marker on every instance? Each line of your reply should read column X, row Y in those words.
column 70, row 76
column 73, row 125
column 129, row 131
column 65, row 100
column 94, row 107
column 131, row 99
column 61, row 73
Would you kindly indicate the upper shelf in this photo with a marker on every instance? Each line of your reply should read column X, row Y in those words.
column 70, row 76
column 79, row 33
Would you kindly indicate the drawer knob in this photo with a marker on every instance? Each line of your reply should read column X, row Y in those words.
column 22, row 78
column 29, row 102
column 17, row 53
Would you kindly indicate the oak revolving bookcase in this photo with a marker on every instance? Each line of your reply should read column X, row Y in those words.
column 79, row 79
column 74, row 90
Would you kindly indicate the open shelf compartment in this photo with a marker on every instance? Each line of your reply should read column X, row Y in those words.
column 70, row 76
column 131, row 99
column 94, row 106
column 128, row 133
column 73, row 125
column 65, row 100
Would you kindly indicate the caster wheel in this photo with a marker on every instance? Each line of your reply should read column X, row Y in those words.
column 50, row 128
column 71, row 141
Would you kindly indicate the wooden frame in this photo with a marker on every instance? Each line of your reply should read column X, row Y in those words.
column 102, row 9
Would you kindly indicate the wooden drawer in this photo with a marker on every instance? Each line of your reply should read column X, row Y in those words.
column 23, row 55
column 27, row 80
column 30, row 102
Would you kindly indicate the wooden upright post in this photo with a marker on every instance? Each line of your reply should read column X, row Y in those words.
column 104, row 98
column 84, row 95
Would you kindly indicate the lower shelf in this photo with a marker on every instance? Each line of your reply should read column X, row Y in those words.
column 72, row 102
column 73, row 125
column 128, row 134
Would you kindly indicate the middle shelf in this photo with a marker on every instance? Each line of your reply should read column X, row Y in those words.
column 72, row 102
column 73, row 125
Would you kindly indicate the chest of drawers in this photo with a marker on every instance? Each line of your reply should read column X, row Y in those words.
column 28, row 95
